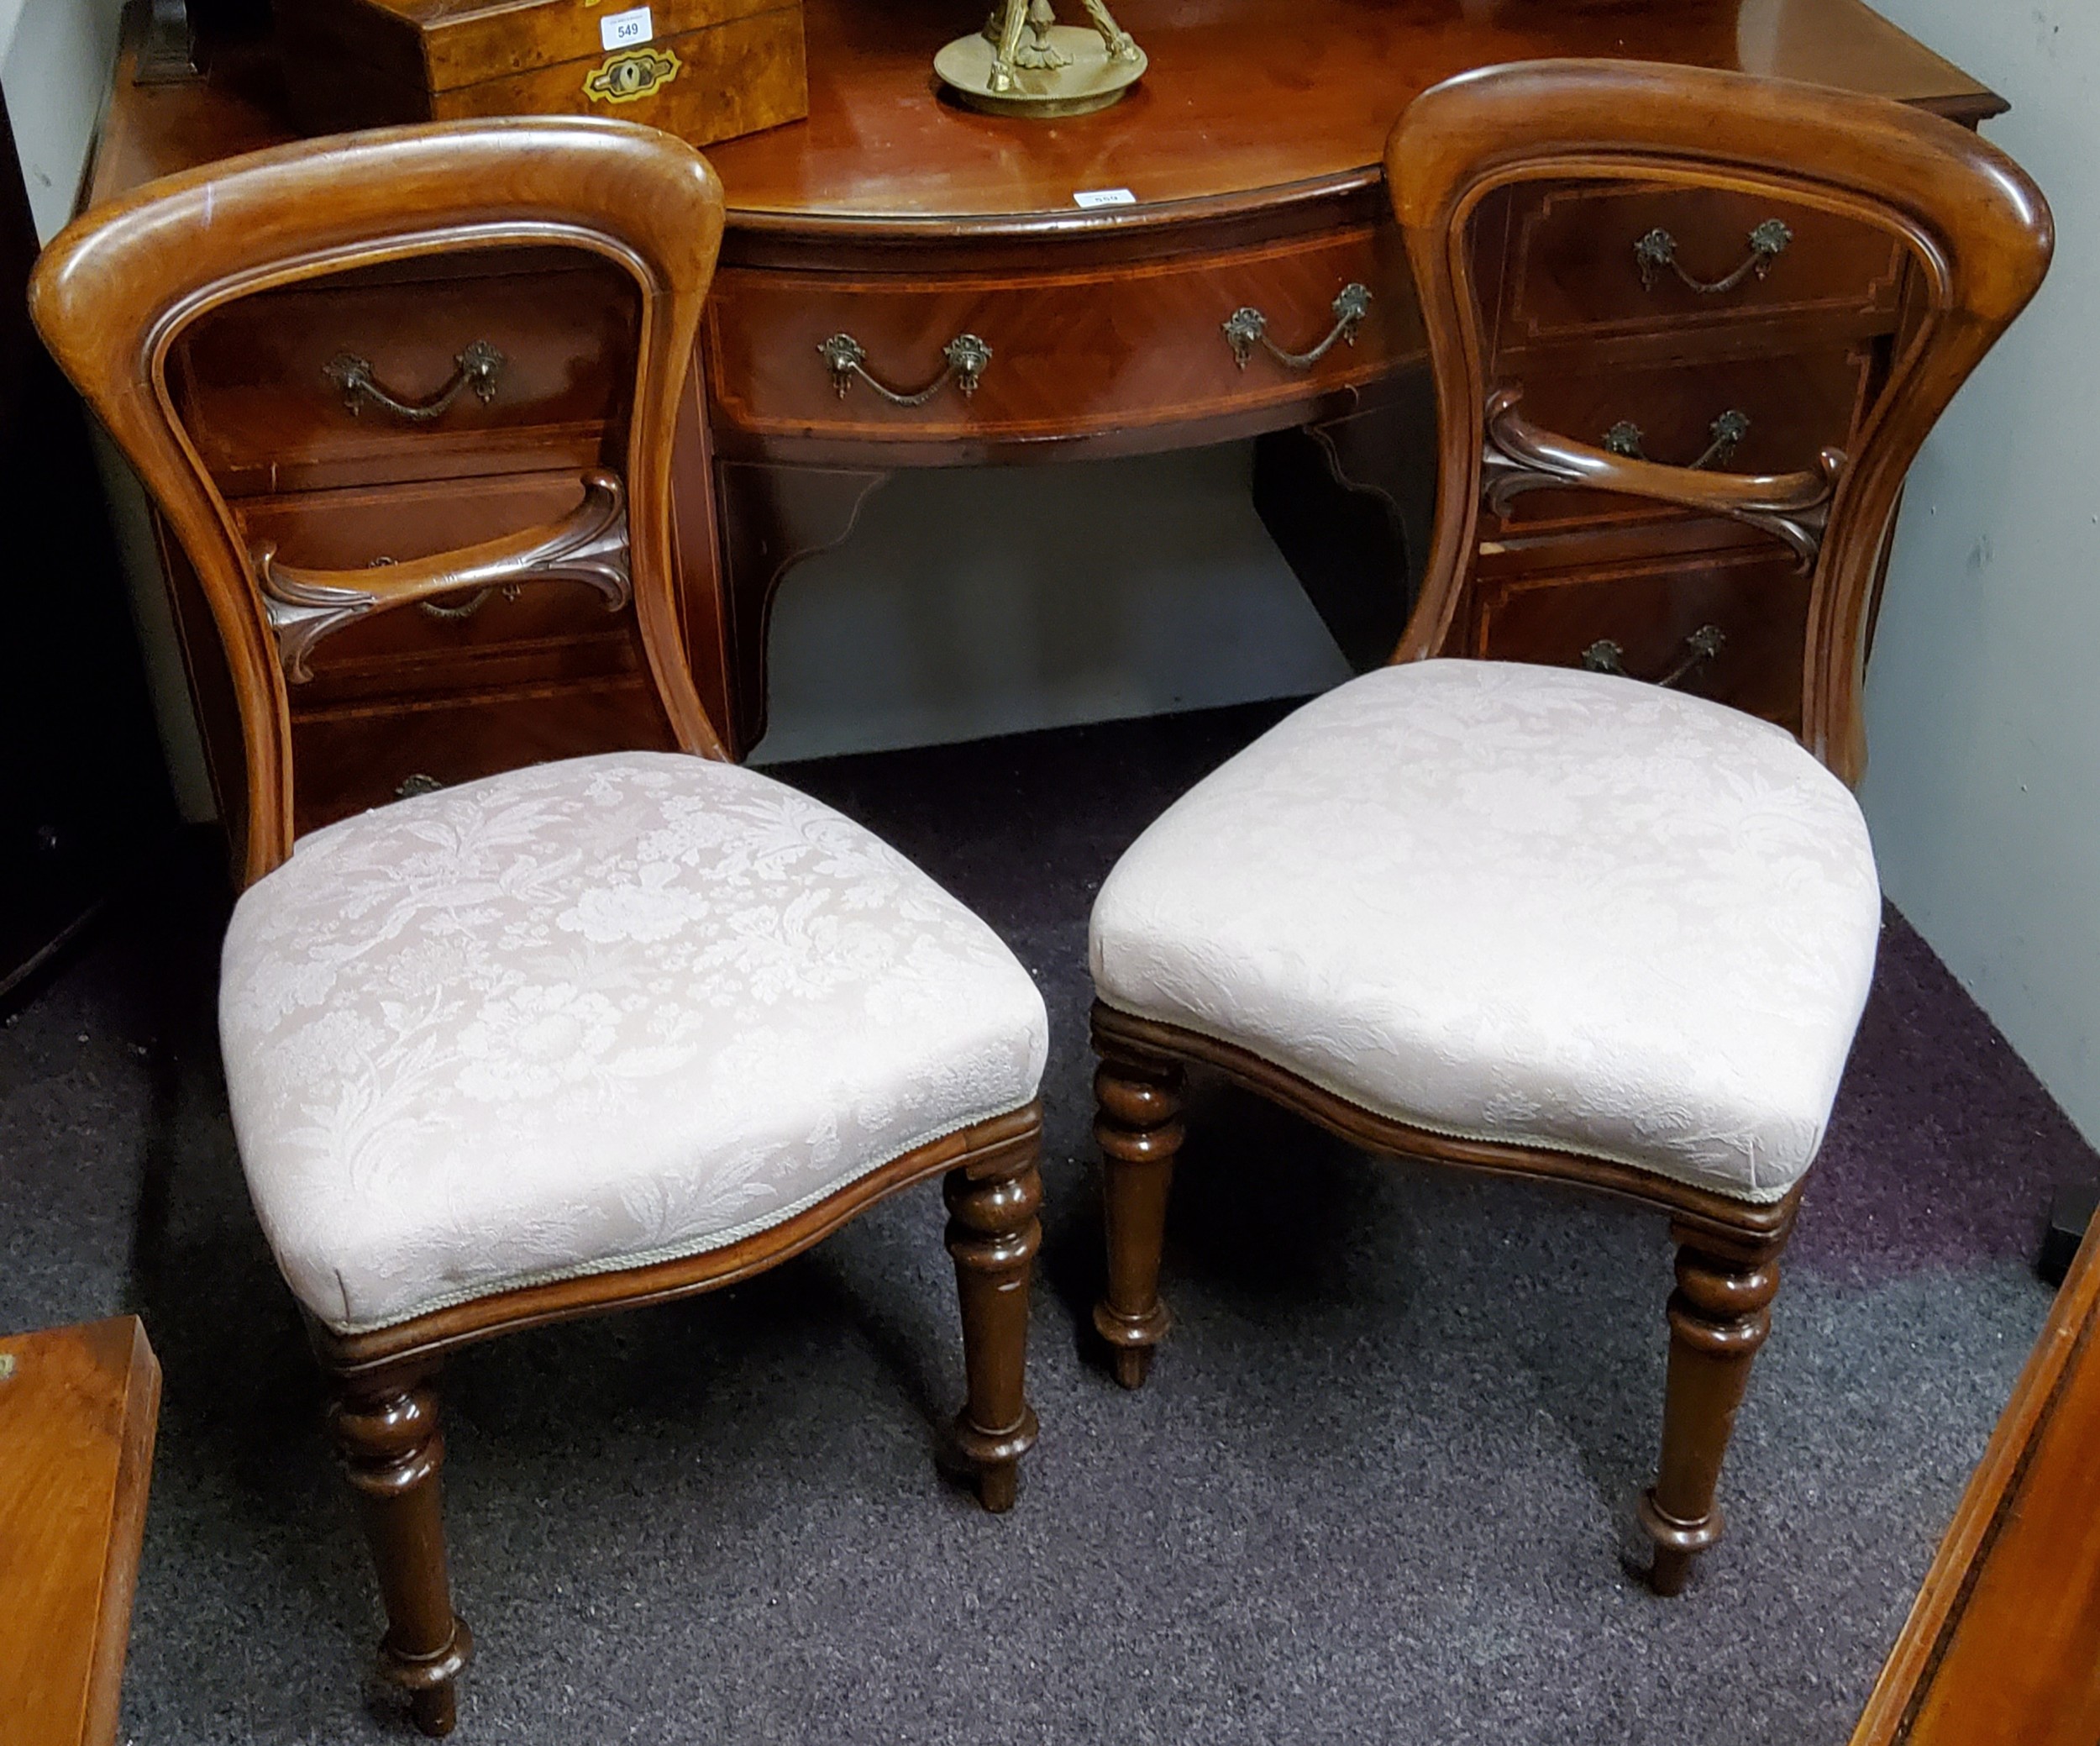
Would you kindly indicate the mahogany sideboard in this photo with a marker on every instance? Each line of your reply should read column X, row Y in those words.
column 907, row 283
column 79, row 1409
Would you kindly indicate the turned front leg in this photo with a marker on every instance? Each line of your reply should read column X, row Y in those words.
column 1139, row 1127
column 993, row 1233
column 1720, row 1315
column 385, row 1428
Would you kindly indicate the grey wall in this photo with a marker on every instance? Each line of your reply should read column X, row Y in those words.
column 56, row 57
column 1983, row 715
column 997, row 599
column 55, row 60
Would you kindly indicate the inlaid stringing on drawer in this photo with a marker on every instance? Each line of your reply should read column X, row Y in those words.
column 374, row 378
column 790, row 354
column 1588, row 261
column 1726, row 624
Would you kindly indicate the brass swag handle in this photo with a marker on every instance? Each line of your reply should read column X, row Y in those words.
column 846, row 358
column 478, row 367
column 1246, row 328
column 1725, row 432
column 469, row 606
column 1606, row 656
column 1658, row 250
column 465, row 609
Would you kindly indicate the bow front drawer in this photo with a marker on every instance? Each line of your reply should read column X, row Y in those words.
column 792, row 355
column 384, row 375
column 1588, row 262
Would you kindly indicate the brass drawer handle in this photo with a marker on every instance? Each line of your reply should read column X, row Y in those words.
column 1727, row 433
column 1244, row 329
column 966, row 356
column 1606, row 656
column 477, row 367
column 465, row 609
column 1658, row 250
column 468, row 607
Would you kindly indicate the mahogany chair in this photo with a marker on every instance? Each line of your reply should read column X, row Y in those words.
column 603, row 1031
column 1550, row 923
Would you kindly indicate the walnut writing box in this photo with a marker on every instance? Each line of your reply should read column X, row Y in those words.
column 704, row 70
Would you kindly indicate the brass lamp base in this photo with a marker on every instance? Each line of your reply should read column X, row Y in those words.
column 1091, row 77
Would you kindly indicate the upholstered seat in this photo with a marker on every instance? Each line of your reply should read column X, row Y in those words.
column 591, row 1015
column 1522, row 904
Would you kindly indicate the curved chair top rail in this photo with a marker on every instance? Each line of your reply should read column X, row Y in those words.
column 117, row 287
column 1976, row 229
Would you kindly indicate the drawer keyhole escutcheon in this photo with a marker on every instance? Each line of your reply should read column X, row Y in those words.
column 479, row 366
column 1605, row 655
column 1723, row 436
column 966, row 356
column 1246, row 328
column 1658, row 250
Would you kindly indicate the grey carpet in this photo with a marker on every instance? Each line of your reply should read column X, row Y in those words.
column 1378, row 1489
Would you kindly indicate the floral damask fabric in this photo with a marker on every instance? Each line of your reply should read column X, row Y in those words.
column 1523, row 904
column 592, row 1015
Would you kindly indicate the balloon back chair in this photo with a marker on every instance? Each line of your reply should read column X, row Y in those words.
column 1558, row 923
column 607, row 1031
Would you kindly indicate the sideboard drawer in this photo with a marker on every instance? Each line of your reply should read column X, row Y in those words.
column 1587, row 260
column 549, row 332
column 544, row 632
column 1069, row 354
column 351, row 757
column 1787, row 410
column 1754, row 596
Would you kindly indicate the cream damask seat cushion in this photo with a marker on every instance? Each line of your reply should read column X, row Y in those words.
column 1523, row 904
column 589, row 1015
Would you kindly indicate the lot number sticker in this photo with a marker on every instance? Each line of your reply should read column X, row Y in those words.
column 626, row 29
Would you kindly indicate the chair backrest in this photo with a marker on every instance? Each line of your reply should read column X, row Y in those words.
column 1972, row 232
column 121, row 294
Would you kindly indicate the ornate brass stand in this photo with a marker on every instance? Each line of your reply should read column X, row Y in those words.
column 1023, row 62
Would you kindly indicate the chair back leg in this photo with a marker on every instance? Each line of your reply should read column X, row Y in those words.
column 1720, row 1315
column 992, row 1235
column 385, row 1424
column 1139, row 1127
